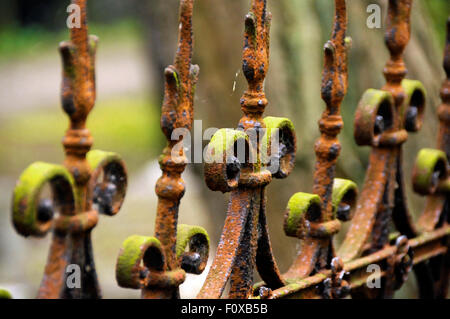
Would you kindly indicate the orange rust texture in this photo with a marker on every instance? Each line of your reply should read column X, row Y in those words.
column 430, row 218
column 314, row 253
column 160, row 285
column 79, row 90
column 71, row 241
column 255, row 64
column 54, row 270
column 369, row 204
column 265, row 261
column 241, row 280
column 242, row 247
column 177, row 112
column 376, row 202
column 437, row 205
column 425, row 245
column 245, row 244
column 334, row 88
column 228, row 248
column 382, row 198
column 395, row 205
column 78, row 96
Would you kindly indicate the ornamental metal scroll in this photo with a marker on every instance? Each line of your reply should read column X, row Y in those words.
column 90, row 181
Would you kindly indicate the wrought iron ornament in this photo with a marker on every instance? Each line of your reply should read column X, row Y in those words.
column 92, row 182
column 382, row 120
column 158, row 265
column 89, row 182
column 244, row 244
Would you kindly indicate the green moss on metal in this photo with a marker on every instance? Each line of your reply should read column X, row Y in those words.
column 93, row 44
column 274, row 123
column 340, row 188
column 348, row 42
column 130, row 258
column 177, row 79
column 366, row 114
column 409, row 87
column 97, row 158
column 297, row 207
column 184, row 235
column 222, row 143
column 426, row 162
column 26, row 194
column 372, row 99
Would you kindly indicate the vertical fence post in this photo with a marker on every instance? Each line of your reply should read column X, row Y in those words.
column 314, row 218
column 243, row 162
column 89, row 182
column 158, row 265
column 431, row 178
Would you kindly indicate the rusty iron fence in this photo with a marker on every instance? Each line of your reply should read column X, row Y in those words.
column 67, row 199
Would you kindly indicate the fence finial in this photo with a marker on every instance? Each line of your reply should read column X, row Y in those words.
column 245, row 243
column 90, row 182
column 158, row 265
column 314, row 218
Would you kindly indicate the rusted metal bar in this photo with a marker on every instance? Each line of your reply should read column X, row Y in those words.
column 356, row 270
column 317, row 215
column 89, row 182
column 157, row 265
column 381, row 125
column 382, row 119
column 245, row 243
column 429, row 178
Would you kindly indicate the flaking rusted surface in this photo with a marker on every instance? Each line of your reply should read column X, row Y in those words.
column 72, row 213
column 177, row 112
column 245, row 244
column 158, row 265
column 383, row 197
column 434, row 275
column 162, row 282
column 374, row 208
column 315, row 251
column 314, row 274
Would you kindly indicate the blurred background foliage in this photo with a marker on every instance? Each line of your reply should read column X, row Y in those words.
column 137, row 40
